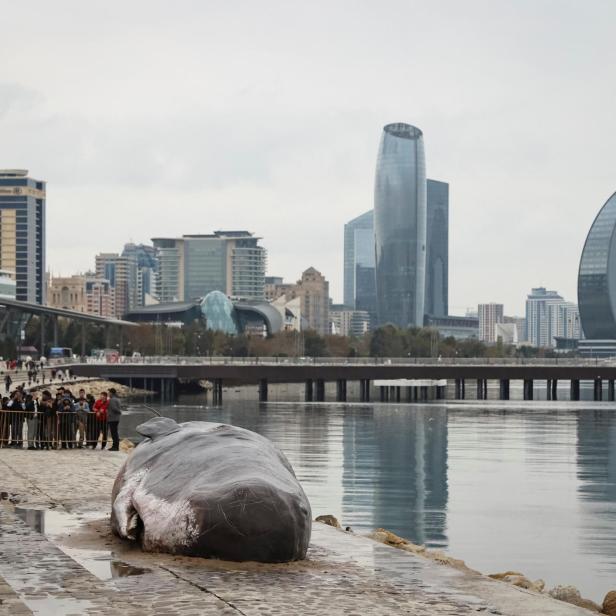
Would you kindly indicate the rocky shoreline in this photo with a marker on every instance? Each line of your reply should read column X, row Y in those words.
column 93, row 386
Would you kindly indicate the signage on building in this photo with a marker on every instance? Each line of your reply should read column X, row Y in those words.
column 21, row 191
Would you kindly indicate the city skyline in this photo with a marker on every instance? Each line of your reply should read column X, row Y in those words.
column 240, row 131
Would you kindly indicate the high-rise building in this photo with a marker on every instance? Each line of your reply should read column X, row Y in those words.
column 359, row 269
column 121, row 273
column 313, row 291
column 82, row 293
column 359, row 273
column 539, row 318
column 144, row 259
column 564, row 321
column 437, row 249
column 489, row 315
column 22, row 233
column 400, row 226
column 597, row 276
column 194, row 265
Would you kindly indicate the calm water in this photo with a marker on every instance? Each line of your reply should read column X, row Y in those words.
column 527, row 486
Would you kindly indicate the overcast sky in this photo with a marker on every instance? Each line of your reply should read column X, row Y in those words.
column 151, row 118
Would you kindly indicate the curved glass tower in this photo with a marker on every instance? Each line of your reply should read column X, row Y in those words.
column 400, row 226
column 597, row 276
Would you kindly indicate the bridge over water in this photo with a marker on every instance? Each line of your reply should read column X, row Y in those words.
column 395, row 378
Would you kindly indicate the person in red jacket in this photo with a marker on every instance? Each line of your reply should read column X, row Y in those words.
column 100, row 421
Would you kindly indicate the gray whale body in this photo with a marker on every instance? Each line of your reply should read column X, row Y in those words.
column 212, row 490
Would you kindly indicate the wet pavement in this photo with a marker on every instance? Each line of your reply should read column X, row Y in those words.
column 58, row 558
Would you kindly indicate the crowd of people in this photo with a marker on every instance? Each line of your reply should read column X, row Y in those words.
column 60, row 421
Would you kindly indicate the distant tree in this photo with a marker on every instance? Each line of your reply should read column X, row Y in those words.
column 314, row 344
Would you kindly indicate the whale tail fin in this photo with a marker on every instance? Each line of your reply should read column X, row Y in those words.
column 157, row 427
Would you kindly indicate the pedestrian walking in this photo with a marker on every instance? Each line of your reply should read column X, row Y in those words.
column 7, row 382
column 114, row 412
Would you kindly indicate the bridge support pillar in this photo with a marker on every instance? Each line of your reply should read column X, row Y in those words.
column 83, row 339
column 398, row 393
column 598, row 390
column 528, row 389
column 341, row 390
column 384, row 393
column 460, row 389
column 364, row 390
column 42, row 321
column 610, row 390
column 574, row 389
column 424, row 393
column 482, row 389
column 320, row 390
column 554, row 389
column 504, row 389
column 309, row 390
column 263, row 390
column 217, row 392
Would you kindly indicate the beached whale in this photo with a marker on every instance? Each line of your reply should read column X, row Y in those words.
column 211, row 490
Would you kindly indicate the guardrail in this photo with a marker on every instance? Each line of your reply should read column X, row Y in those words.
column 61, row 430
column 343, row 361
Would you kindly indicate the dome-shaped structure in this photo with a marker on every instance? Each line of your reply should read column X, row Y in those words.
column 219, row 313
column 597, row 276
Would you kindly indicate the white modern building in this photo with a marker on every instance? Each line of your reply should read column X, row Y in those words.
column 489, row 316
column 549, row 316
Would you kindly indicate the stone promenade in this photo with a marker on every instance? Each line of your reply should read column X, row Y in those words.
column 57, row 557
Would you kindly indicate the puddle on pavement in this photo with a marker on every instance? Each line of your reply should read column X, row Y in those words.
column 55, row 523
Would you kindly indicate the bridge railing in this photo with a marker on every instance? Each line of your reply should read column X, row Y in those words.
column 359, row 361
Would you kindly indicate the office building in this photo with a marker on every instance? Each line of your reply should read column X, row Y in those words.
column 461, row 328
column 437, row 249
column 549, row 316
column 121, row 273
column 22, row 233
column 194, row 265
column 82, row 293
column 144, row 260
column 400, row 226
column 597, row 276
column 359, row 272
column 489, row 315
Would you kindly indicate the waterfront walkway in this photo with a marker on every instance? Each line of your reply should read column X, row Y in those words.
column 77, row 567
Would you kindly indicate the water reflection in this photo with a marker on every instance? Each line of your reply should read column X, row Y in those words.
column 523, row 486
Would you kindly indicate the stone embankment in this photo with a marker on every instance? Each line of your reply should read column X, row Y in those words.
column 566, row 594
column 58, row 556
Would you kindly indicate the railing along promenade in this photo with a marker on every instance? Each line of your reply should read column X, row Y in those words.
column 418, row 375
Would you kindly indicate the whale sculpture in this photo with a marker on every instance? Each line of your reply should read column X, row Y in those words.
column 212, row 490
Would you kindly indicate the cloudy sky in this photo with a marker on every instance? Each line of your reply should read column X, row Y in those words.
column 152, row 118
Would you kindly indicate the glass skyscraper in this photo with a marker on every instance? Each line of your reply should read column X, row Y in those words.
column 400, row 226
column 22, row 233
column 437, row 255
column 359, row 277
column 597, row 276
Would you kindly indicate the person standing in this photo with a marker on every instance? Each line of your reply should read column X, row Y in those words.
column 82, row 408
column 100, row 415
column 16, row 407
column 32, row 420
column 114, row 412
column 7, row 383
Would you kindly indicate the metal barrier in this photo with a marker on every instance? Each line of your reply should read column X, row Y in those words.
column 58, row 430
